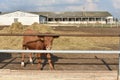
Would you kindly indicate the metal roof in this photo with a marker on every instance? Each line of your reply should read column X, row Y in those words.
column 74, row 14
column 71, row 14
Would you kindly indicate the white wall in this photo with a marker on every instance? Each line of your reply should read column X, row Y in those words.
column 109, row 20
column 23, row 17
column 23, row 20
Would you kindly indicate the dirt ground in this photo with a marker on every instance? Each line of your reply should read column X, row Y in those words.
column 69, row 61
column 91, row 30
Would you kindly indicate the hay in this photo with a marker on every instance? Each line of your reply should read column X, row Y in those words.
column 15, row 42
column 41, row 28
column 13, row 28
column 16, row 27
column 86, row 43
column 19, row 28
column 10, row 42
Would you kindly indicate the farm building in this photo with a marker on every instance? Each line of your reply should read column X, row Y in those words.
column 77, row 17
column 28, row 18
column 18, row 16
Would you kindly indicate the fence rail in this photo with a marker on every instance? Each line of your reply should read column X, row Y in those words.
column 55, row 35
column 62, row 51
column 66, row 51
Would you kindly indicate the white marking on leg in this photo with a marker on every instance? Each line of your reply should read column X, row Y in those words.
column 31, row 61
column 22, row 64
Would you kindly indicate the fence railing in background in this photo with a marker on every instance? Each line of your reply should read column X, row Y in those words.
column 57, row 35
column 88, row 25
column 66, row 51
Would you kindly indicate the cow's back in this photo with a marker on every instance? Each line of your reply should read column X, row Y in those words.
column 32, row 42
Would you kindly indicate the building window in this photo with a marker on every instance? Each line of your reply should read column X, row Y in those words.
column 84, row 19
column 15, row 20
column 91, row 19
column 50, row 19
column 65, row 19
column 78, row 19
column 103, row 19
column 98, row 19
column 57, row 19
column 71, row 19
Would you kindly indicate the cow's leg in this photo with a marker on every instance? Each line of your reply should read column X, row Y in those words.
column 30, row 58
column 50, row 61
column 39, row 61
column 23, row 57
column 22, row 62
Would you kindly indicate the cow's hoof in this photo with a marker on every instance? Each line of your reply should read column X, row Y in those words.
column 22, row 64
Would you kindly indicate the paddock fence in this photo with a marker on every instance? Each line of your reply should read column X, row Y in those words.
column 67, row 51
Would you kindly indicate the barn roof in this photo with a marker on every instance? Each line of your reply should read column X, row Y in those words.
column 3, row 13
column 71, row 14
column 74, row 14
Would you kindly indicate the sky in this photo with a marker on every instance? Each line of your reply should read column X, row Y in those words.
column 112, row 6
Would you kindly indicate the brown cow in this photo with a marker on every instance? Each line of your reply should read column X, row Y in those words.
column 37, row 43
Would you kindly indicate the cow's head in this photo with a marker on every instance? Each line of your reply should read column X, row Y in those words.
column 48, row 40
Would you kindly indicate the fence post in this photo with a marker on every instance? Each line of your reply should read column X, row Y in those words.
column 118, row 76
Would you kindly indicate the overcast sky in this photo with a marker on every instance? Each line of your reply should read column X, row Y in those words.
column 112, row 6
